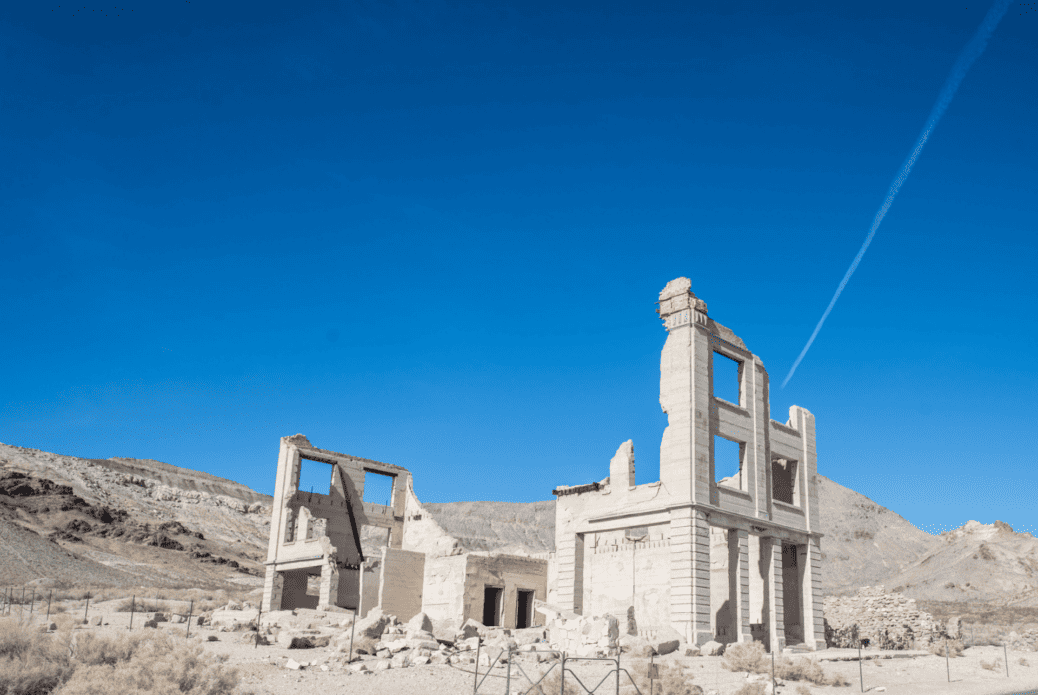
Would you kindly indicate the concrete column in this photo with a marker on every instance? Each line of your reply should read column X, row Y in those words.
column 273, row 584
column 329, row 595
column 771, row 552
column 690, row 575
column 739, row 583
column 809, row 562
column 569, row 555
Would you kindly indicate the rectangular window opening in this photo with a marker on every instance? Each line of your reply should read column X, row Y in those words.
column 378, row 488
column 492, row 605
column 728, row 462
column 784, row 481
column 524, row 610
column 727, row 373
column 315, row 476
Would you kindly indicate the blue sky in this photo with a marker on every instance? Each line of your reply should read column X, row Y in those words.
column 432, row 234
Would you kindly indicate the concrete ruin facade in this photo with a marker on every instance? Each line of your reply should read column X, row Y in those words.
column 734, row 559
column 316, row 557
column 315, row 537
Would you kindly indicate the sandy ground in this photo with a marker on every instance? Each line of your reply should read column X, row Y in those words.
column 263, row 670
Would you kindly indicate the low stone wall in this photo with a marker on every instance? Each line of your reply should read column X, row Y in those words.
column 887, row 620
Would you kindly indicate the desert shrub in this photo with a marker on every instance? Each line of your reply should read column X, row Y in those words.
column 749, row 657
column 552, row 684
column 672, row 681
column 802, row 690
column 991, row 665
column 955, row 647
column 754, row 688
column 139, row 605
column 801, row 669
column 1023, row 662
column 33, row 663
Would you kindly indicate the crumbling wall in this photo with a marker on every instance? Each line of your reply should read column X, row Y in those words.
column 401, row 582
column 509, row 572
column 444, row 597
column 630, row 568
column 887, row 620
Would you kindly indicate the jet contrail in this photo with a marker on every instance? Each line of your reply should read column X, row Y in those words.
column 969, row 54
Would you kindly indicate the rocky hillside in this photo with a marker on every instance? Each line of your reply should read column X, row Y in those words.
column 151, row 522
column 977, row 563
column 864, row 543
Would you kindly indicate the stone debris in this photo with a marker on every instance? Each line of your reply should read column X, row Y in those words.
column 886, row 620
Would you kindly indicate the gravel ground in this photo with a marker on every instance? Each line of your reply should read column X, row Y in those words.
column 263, row 670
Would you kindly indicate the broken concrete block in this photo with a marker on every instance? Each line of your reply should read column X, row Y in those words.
column 373, row 625
column 95, row 620
column 176, row 618
column 693, row 651
column 713, row 648
column 360, row 667
column 667, row 640
column 381, row 665
column 420, row 661
column 293, row 665
column 420, row 622
column 431, row 645
column 472, row 628
column 636, row 646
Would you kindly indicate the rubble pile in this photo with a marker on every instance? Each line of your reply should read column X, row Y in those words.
column 886, row 620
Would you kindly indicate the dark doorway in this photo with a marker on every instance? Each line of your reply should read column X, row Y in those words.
column 524, row 610
column 792, row 575
column 492, row 605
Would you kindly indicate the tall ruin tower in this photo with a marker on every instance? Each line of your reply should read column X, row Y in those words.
column 732, row 559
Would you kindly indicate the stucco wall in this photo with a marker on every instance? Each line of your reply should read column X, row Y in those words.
column 443, row 597
column 401, row 582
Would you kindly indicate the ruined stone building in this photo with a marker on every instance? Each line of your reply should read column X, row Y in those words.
column 331, row 548
column 731, row 558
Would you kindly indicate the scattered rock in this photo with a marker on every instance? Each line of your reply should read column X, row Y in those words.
column 712, row 648
column 293, row 665
column 420, row 623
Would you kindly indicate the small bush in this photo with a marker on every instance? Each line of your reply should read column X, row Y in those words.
column 755, row 688
column 991, row 665
column 802, row 690
column 140, row 605
column 748, row 657
column 33, row 663
column 1023, row 662
column 672, row 681
column 552, row 684
column 955, row 647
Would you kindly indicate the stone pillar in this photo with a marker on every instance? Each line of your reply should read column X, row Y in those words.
column 570, row 558
column 739, row 583
column 809, row 564
column 771, row 552
column 690, row 575
column 273, row 584
column 329, row 593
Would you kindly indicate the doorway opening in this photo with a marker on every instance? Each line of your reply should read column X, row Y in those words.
column 492, row 605
column 524, row 610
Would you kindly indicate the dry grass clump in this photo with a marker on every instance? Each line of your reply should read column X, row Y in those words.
column 802, row 690
column 67, row 663
column 672, row 681
column 552, row 684
column 1023, row 662
column 955, row 647
column 991, row 665
column 140, row 605
column 751, row 658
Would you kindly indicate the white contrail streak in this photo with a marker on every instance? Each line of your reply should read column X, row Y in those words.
column 969, row 54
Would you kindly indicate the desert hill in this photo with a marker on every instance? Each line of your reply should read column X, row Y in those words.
column 156, row 524
column 132, row 521
column 977, row 563
column 863, row 543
